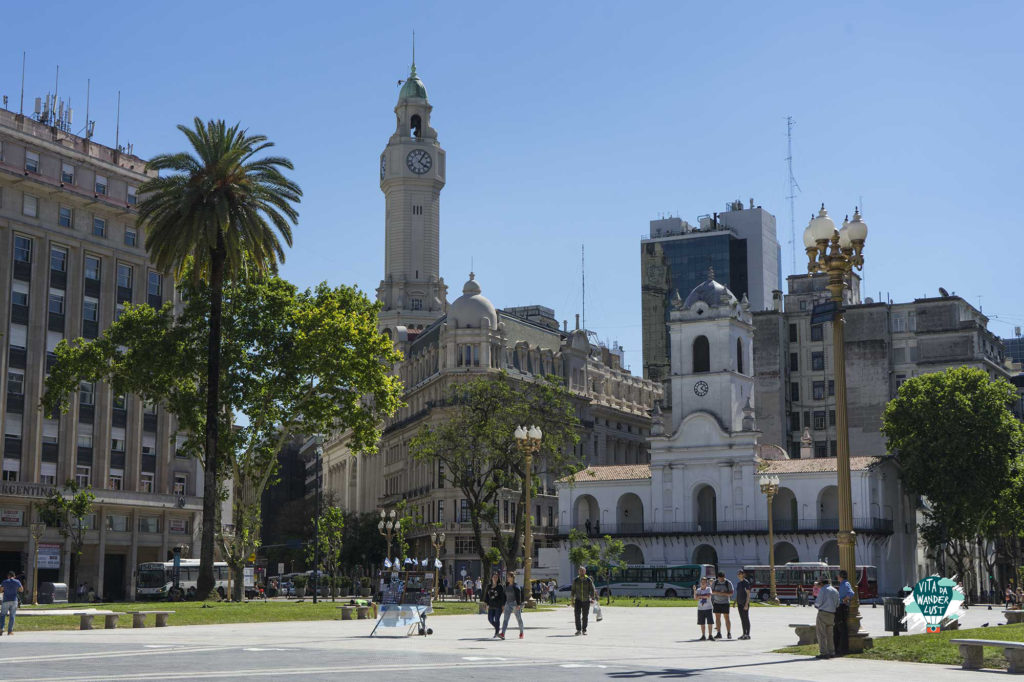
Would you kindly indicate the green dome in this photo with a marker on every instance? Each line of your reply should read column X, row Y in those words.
column 413, row 87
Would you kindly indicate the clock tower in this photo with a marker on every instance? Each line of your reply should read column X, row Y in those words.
column 412, row 169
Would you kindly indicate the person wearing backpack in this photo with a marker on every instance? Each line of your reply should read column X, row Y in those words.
column 721, row 595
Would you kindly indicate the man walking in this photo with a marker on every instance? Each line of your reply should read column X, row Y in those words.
column 495, row 598
column 703, row 595
column 552, row 588
column 826, row 603
column 583, row 592
column 721, row 595
column 743, row 603
column 841, row 638
column 513, row 604
column 9, row 606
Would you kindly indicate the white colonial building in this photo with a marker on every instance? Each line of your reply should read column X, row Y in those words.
column 699, row 499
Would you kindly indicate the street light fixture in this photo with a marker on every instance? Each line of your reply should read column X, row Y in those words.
column 388, row 527
column 437, row 540
column 528, row 441
column 770, row 486
column 837, row 253
column 36, row 529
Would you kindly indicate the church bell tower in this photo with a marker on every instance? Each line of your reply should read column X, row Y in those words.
column 412, row 169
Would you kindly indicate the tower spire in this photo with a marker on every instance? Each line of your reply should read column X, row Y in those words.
column 413, row 70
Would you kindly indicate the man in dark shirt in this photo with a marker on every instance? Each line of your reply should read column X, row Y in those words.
column 9, row 606
column 743, row 603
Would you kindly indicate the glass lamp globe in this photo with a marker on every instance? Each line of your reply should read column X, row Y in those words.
column 857, row 228
column 844, row 235
column 822, row 227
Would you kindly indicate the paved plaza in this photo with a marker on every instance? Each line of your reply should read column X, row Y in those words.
column 629, row 643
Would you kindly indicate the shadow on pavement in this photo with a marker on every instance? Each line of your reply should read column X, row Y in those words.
column 677, row 672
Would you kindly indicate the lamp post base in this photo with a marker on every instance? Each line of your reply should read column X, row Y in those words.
column 860, row 641
column 531, row 603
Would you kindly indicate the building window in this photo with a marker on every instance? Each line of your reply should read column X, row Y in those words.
column 831, row 387
column 146, row 483
column 133, row 195
column 180, row 484
column 58, row 259
column 29, row 205
column 465, row 545
column 130, row 237
column 464, row 511
column 67, row 173
column 15, row 382
column 900, row 380
column 101, row 185
column 56, row 306
column 897, row 323
column 86, row 394
column 820, row 449
column 83, row 476
column 416, row 304
column 48, row 473
column 156, row 284
column 803, row 305
column 440, row 511
column 19, row 297
column 22, row 249
column 11, row 468
column 65, row 217
column 832, row 448
column 818, row 361
column 807, row 419
column 792, row 334
column 92, row 268
column 99, row 227
column 31, row 161
column 816, row 332
column 85, row 440
column 794, row 391
column 149, row 524
column 440, row 474
column 115, row 481
column 794, row 362
column 819, row 390
column 831, row 417
column 117, row 523
column 124, row 276
column 701, row 355
column 739, row 356
column 90, row 310
column 794, row 421
column 819, row 420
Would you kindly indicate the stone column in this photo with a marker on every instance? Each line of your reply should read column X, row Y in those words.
column 133, row 559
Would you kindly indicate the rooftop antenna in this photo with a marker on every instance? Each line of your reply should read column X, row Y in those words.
column 21, row 106
column 117, row 126
column 583, row 275
column 414, row 52
column 88, row 93
column 793, row 189
column 56, row 84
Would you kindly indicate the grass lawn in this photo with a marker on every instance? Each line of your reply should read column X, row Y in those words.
column 658, row 602
column 933, row 648
column 211, row 613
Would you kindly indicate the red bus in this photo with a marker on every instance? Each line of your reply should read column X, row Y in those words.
column 806, row 573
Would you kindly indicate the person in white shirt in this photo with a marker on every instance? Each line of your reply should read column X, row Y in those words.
column 703, row 596
column 826, row 603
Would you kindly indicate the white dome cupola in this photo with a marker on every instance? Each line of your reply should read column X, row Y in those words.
column 472, row 310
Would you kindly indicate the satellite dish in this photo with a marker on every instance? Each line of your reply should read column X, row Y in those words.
column 943, row 293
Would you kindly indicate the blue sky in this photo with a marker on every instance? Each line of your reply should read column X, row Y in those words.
column 569, row 123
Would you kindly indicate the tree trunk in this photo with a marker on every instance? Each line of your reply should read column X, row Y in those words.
column 211, row 498
column 237, row 589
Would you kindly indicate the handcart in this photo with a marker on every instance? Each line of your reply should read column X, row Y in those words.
column 406, row 601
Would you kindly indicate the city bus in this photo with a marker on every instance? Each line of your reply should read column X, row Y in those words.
column 642, row 580
column 806, row 573
column 155, row 580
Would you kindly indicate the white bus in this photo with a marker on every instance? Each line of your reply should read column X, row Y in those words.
column 155, row 580
column 653, row 581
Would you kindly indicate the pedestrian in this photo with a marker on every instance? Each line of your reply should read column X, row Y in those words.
column 583, row 593
column 10, row 588
column 841, row 638
column 826, row 602
column 444, row 588
column 721, row 595
column 469, row 588
column 543, row 591
column 81, row 591
column 552, row 589
column 479, row 588
column 460, row 590
column 801, row 595
column 743, row 602
column 588, row 526
column 703, row 595
column 495, row 598
column 513, row 604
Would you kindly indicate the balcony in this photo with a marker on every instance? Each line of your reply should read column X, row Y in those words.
column 860, row 525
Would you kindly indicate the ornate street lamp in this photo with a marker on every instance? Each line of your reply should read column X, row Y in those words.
column 437, row 540
column 837, row 253
column 36, row 529
column 770, row 486
column 388, row 526
column 528, row 441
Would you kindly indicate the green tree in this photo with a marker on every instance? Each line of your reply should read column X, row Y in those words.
column 471, row 436
column 582, row 552
column 331, row 538
column 66, row 509
column 219, row 210
column 608, row 559
column 957, row 444
column 604, row 556
column 294, row 363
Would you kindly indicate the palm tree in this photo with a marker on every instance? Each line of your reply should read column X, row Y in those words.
column 219, row 211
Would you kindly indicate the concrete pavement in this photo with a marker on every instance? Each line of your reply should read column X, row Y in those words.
column 630, row 642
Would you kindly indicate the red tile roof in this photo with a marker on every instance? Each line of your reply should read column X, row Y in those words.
column 618, row 472
column 817, row 465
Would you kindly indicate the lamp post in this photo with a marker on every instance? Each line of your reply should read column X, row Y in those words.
column 387, row 527
column 316, row 523
column 437, row 540
column 837, row 253
column 528, row 441
column 36, row 529
column 770, row 486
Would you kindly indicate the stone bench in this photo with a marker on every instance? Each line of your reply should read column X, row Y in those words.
column 110, row 618
column 348, row 612
column 971, row 650
column 1014, row 616
column 808, row 634
column 139, row 618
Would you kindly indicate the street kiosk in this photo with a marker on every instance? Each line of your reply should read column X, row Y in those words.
column 406, row 601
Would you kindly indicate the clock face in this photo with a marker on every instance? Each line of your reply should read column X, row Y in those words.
column 418, row 161
column 383, row 166
column 701, row 388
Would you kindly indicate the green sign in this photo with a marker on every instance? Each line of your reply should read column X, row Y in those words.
column 932, row 600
